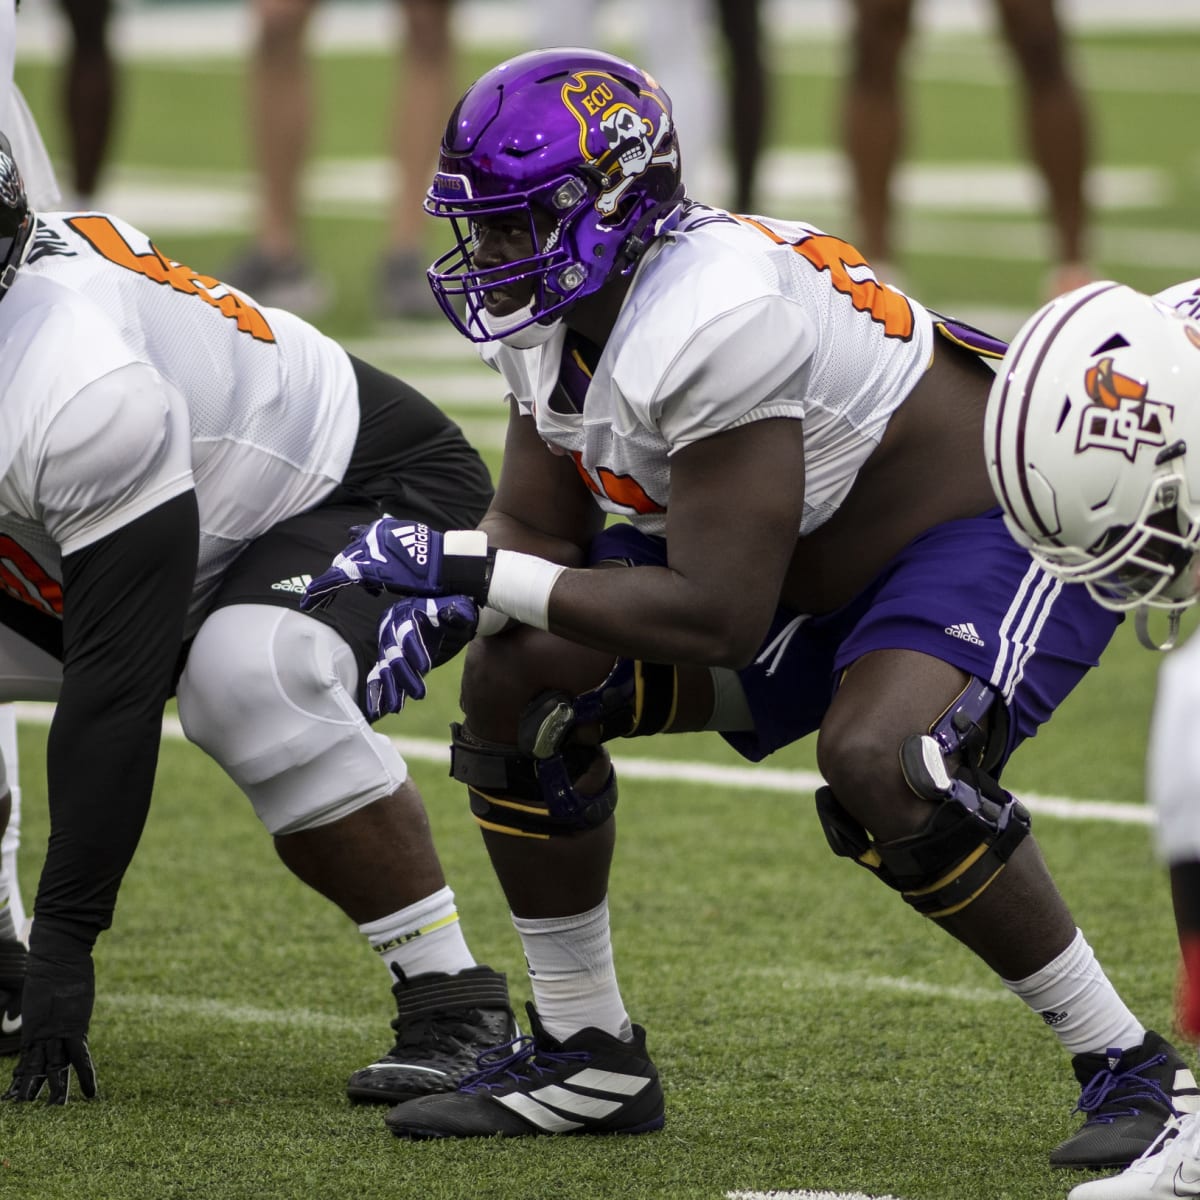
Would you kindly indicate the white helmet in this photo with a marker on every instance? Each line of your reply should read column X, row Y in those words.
column 1087, row 437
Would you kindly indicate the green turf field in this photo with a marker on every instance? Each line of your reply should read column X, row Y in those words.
column 814, row 1035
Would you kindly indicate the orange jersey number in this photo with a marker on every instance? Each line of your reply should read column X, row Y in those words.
column 107, row 240
column 620, row 489
column 828, row 253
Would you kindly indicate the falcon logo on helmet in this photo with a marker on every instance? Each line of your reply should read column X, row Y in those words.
column 1121, row 417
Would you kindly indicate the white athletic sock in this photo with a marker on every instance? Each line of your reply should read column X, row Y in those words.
column 423, row 937
column 571, row 971
column 1075, row 998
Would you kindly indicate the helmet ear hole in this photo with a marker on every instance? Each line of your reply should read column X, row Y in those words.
column 1045, row 502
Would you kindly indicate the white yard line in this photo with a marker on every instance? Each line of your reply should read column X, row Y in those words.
column 950, row 211
column 197, row 1008
column 795, row 180
column 797, row 979
column 763, row 779
column 804, row 1195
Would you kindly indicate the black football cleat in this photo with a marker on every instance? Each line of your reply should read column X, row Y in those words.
column 1129, row 1097
column 443, row 1023
column 590, row 1083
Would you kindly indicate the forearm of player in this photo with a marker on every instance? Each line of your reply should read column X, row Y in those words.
column 650, row 613
column 100, row 773
column 736, row 505
column 125, row 600
column 506, row 532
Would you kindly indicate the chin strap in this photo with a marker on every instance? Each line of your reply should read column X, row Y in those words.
column 659, row 221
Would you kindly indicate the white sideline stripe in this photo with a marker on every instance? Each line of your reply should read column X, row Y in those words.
column 167, row 202
column 237, row 1014
column 761, row 779
column 800, row 980
column 774, row 1195
column 796, row 979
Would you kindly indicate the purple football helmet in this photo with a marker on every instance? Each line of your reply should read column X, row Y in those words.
column 578, row 133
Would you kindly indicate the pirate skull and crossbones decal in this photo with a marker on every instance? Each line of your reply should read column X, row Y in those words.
column 628, row 135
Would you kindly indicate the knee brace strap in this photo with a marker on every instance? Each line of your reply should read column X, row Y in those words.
column 503, row 814
column 959, row 851
column 635, row 699
column 512, row 792
column 959, row 730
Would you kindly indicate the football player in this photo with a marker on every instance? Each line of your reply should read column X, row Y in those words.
column 1091, row 450
column 807, row 542
column 177, row 462
column 41, row 184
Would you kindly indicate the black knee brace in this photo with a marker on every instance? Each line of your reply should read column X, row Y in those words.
column 513, row 792
column 972, row 832
column 536, row 777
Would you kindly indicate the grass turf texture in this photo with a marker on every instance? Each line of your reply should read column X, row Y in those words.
column 812, row 1032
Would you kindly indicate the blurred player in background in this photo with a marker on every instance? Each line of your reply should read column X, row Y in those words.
column 808, row 543
column 89, row 93
column 281, row 117
column 178, row 462
column 675, row 43
column 1093, row 444
column 873, row 125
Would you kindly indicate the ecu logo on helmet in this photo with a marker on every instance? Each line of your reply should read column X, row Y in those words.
column 632, row 143
column 1120, row 416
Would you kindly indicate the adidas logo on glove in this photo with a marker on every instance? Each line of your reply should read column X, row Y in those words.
column 415, row 540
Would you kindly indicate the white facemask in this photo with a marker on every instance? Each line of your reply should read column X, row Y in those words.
column 532, row 335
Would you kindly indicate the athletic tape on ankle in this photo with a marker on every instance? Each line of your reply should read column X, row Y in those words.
column 401, row 939
column 521, row 586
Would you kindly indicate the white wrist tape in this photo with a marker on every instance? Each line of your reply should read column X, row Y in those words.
column 521, row 585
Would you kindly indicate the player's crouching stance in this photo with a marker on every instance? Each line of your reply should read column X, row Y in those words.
column 1093, row 444
column 177, row 463
column 811, row 536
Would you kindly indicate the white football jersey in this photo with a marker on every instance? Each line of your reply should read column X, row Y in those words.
column 731, row 320
column 127, row 378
